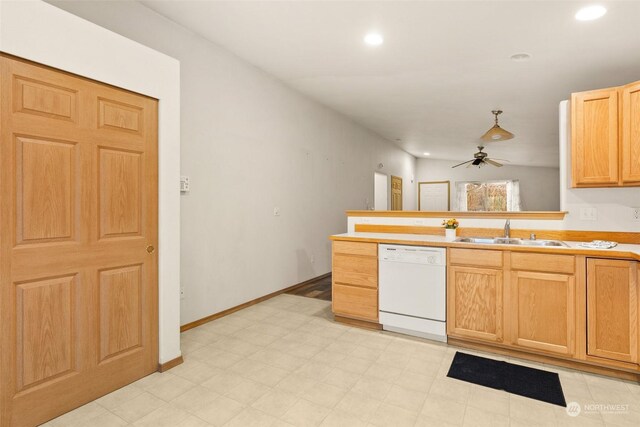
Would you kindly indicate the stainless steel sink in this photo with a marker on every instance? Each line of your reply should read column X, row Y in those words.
column 509, row 241
column 483, row 240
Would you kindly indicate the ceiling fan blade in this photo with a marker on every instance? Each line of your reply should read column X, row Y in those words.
column 501, row 160
column 491, row 162
column 477, row 162
column 469, row 165
column 463, row 163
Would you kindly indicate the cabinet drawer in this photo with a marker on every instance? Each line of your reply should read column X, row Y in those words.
column 355, row 270
column 543, row 262
column 475, row 257
column 355, row 248
column 352, row 301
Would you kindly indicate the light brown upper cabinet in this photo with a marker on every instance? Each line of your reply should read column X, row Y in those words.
column 612, row 309
column 630, row 157
column 605, row 137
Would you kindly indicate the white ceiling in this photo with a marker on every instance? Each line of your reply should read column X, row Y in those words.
column 443, row 67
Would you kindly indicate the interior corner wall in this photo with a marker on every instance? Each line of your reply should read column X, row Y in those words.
column 539, row 189
column 251, row 144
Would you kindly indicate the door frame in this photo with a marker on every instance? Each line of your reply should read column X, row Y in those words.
column 45, row 34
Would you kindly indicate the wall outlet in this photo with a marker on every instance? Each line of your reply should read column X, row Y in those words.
column 420, row 221
column 276, row 211
column 635, row 214
column 181, row 292
column 185, row 184
column 588, row 214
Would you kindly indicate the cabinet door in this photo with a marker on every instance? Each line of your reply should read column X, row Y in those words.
column 474, row 307
column 612, row 309
column 542, row 311
column 631, row 134
column 594, row 138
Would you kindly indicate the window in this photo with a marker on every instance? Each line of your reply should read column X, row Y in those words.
column 489, row 196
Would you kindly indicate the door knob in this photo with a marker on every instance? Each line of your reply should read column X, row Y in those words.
column 151, row 249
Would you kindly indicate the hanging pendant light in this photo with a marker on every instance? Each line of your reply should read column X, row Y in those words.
column 496, row 133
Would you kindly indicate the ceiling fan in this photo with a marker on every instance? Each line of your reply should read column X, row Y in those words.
column 480, row 159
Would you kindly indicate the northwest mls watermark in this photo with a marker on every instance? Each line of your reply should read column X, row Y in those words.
column 574, row 408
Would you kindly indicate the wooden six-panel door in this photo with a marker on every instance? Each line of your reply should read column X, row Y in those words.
column 78, row 220
column 396, row 193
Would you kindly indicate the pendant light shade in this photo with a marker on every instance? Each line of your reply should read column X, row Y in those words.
column 496, row 133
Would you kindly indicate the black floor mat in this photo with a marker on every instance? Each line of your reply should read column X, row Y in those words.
column 520, row 380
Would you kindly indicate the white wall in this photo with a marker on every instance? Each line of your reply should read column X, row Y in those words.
column 539, row 190
column 42, row 33
column 251, row 144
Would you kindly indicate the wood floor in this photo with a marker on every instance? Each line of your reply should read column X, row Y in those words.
column 319, row 289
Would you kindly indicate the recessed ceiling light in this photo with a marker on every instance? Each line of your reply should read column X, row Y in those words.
column 426, row 154
column 520, row 57
column 589, row 13
column 373, row 39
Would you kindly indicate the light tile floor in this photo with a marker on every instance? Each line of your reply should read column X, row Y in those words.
column 284, row 362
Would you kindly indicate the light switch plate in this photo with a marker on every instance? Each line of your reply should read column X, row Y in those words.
column 185, row 184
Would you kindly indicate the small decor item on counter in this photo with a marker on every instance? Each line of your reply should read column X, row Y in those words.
column 599, row 244
column 450, row 226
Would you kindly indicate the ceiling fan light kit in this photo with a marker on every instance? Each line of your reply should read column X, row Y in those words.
column 496, row 133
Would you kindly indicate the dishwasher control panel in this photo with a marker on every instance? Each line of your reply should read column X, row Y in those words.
column 412, row 254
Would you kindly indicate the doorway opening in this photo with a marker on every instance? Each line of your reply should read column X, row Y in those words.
column 380, row 192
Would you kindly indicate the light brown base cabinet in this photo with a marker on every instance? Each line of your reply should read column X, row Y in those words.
column 566, row 309
column 542, row 311
column 354, row 283
column 474, row 295
column 575, row 308
column 612, row 309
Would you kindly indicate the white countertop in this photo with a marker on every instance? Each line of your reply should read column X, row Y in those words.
column 434, row 240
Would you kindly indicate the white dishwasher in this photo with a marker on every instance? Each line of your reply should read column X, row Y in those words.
column 412, row 286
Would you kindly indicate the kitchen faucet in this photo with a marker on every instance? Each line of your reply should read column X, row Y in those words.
column 507, row 229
